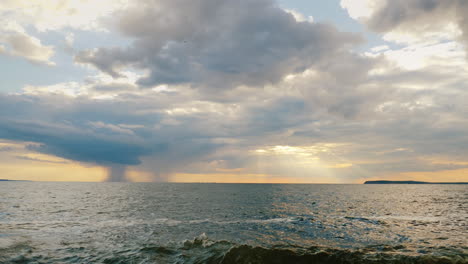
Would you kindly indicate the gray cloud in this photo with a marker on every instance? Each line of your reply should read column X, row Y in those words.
column 217, row 44
column 420, row 16
column 397, row 13
column 39, row 160
column 5, row 149
column 75, row 143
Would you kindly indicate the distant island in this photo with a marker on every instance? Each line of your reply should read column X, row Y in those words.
column 411, row 182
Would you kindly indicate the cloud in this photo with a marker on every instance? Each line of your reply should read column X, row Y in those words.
column 413, row 20
column 23, row 21
column 299, row 16
column 363, row 104
column 75, row 144
column 362, row 119
column 104, row 132
column 235, row 43
column 249, row 88
column 40, row 160
column 58, row 14
column 21, row 44
column 413, row 14
column 5, row 148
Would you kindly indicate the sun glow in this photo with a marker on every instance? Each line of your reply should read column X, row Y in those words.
column 315, row 163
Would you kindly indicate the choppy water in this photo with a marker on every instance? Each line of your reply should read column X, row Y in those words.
column 232, row 223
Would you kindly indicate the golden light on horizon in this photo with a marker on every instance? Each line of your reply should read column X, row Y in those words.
column 40, row 171
column 246, row 178
column 274, row 164
column 305, row 163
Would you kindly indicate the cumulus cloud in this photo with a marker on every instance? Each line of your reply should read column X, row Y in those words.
column 16, row 42
column 21, row 19
column 217, row 44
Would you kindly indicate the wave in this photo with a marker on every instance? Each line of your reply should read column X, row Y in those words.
column 249, row 254
column 203, row 250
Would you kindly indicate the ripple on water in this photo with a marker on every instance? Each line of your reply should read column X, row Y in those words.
column 148, row 223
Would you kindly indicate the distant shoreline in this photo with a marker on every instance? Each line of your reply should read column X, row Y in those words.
column 411, row 182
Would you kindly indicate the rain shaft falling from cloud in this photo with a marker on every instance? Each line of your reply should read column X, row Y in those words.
column 116, row 173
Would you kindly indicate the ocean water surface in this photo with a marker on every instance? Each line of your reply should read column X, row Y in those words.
column 43, row 222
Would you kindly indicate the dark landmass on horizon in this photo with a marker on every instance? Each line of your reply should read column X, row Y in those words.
column 411, row 182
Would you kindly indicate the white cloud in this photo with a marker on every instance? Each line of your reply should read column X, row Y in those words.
column 361, row 9
column 72, row 89
column 423, row 55
column 55, row 15
column 100, row 86
column 449, row 32
column 380, row 48
column 58, row 14
column 23, row 45
column 299, row 16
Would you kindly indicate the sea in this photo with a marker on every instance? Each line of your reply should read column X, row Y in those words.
column 51, row 222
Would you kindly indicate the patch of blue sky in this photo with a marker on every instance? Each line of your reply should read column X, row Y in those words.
column 14, row 69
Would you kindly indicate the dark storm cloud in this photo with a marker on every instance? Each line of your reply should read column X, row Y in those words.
column 112, row 134
column 216, row 43
column 75, row 143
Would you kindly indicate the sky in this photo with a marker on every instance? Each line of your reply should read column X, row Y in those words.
column 254, row 91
